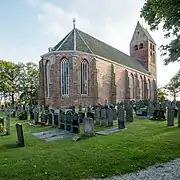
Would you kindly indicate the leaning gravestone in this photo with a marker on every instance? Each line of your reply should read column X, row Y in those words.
column 170, row 116
column 20, row 135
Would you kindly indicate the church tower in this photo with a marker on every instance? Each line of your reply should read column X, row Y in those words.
column 143, row 47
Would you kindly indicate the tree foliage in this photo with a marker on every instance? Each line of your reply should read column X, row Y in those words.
column 18, row 80
column 174, row 85
column 161, row 94
column 165, row 13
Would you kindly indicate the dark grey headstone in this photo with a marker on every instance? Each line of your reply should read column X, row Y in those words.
column 20, row 135
column 178, row 116
column 170, row 116
column 121, row 124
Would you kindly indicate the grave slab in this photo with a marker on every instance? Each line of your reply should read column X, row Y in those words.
column 54, row 135
column 108, row 131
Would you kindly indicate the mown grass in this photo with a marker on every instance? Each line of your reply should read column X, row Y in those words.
column 143, row 143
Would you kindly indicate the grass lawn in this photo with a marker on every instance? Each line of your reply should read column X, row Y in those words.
column 143, row 143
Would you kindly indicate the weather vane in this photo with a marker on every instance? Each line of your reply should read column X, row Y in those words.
column 74, row 23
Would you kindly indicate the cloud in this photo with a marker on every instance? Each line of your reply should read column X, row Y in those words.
column 110, row 21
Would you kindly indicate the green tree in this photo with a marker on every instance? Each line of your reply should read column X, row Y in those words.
column 165, row 13
column 161, row 94
column 174, row 85
column 27, row 83
column 6, row 81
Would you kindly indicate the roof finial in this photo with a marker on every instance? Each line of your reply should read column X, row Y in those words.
column 74, row 23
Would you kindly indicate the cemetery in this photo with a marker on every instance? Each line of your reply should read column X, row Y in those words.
column 82, row 139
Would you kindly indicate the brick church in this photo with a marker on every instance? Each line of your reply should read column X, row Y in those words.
column 83, row 69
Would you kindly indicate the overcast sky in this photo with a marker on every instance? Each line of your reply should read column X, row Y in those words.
column 29, row 27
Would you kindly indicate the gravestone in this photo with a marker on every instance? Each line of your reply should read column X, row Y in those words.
column 8, row 114
column 170, row 116
column 121, row 124
column 103, row 117
column 178, row 116
column 88, row 127
column 62, row 120
column 129, row 112
column 178, row 106
column 43, row 117
column 109, row 117
column 20, row 135
column 1, row 124
column 75, row 123
column 36, row 117
column 97, row 116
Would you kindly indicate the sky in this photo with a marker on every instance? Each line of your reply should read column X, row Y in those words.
column 29, row 27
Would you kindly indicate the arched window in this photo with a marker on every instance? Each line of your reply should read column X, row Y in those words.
column 48, row 78
column 64, row 77
column 141, row 87
column 153, row 58
column 84, row 77
column 141, row 46
column 149, row 89
column 131, row 86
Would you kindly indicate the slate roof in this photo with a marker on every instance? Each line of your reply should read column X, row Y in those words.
column 87, row 43
column 149, row 36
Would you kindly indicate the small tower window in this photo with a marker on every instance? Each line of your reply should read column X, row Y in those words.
column 153, row 58
column 153, row 47
column 150, row 53
column 136, row 47
column 150, row 46
column 141, row 46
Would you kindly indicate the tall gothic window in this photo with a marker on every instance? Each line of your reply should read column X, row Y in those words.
column 131, row 86
column 48, row 78
column 64, row 77
column 141, row 87
column 84, row 77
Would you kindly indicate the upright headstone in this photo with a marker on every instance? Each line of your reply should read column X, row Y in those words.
column 121, row 124
column 8, row 114
column 88, row 127
column 170, row 116
column 129, row 112
column 97, row 116
column 103, row 117
column 109, row 117
column 20, row 135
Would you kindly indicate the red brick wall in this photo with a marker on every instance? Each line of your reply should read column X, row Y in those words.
column 102, row 86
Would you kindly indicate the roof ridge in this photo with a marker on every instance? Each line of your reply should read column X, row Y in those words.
column 105, row 43
column 84, row 41
column 65, row 40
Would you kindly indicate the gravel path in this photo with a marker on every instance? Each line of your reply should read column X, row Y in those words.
column 166, row 171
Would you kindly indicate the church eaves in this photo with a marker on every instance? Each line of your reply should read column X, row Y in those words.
column 88, row 44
